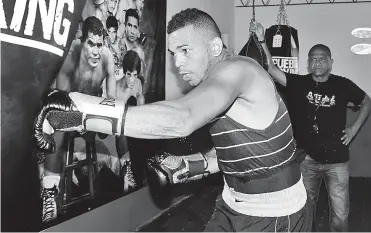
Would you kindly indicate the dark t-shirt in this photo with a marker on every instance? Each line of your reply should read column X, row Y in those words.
column 323, row 105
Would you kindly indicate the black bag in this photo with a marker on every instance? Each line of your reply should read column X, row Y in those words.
column 254, row 50
column 285, row 54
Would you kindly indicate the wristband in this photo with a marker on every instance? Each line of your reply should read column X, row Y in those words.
column 262, row 41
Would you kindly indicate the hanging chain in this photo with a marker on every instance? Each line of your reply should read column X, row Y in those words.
column 282, row 15
column 253, row 11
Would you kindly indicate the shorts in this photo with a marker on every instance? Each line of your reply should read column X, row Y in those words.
column 226, row 219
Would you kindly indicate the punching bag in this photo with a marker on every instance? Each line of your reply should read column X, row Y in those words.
column 35, row 39
column 283, row 43
column 253, row 47
column 254, row 50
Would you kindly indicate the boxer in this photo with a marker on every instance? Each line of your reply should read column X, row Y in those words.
column 87, row 64
column 129, row 89
column 132, row 83
column 115, row 44
column 249, row 124
column 132, row 33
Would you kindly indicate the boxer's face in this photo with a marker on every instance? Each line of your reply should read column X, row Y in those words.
column 132, row 29
column 319, row 62
column 131, row 77
column 191, row 54
column 111, row 4
column 112, row 34
column 92, row 49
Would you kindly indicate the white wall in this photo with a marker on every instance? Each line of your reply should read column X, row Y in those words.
column 326, row 24
column 221, row 11
column 330, row 25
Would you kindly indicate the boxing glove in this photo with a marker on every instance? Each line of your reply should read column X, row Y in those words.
column 165, row 169
column 76, row 112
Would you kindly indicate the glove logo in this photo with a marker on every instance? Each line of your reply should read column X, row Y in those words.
column 108, row 102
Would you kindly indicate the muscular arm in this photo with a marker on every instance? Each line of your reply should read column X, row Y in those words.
column 140, row 98
column 66, row 72
column 364, row 111
column 110, row 78
column 179, row 118
column 277, row 74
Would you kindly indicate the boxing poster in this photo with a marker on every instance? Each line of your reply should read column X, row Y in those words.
column 108, row 48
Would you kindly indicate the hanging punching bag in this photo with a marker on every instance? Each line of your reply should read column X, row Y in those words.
column 283, row 43
column 254, row 50
column 35, row 39
column 253, row 47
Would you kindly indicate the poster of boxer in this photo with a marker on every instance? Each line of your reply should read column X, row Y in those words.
column 114, row 49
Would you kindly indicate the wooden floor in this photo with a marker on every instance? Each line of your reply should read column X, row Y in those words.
column 193, row 214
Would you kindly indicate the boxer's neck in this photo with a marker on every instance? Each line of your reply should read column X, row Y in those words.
column 223, row 55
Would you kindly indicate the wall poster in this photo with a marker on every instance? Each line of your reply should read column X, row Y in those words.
column 118, row 51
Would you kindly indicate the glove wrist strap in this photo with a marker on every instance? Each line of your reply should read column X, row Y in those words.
column 198, row 167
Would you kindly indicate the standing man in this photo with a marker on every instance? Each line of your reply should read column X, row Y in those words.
column 318, row 107
column 87, row 64
column 115, row 44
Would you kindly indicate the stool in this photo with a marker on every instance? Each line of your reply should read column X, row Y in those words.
column 65, row 199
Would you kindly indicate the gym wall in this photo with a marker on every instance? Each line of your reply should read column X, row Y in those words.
column 329, row 24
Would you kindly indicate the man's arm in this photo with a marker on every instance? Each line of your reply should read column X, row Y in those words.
column 140, row 97
column 179, row 118
column 110, row 78
column 66, row 72
column 350, row 132
column 277, row 74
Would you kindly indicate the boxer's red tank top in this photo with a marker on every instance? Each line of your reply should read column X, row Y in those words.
column 245, row 154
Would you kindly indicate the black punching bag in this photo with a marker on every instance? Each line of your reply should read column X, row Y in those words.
column 35, row 39
column 254, row 50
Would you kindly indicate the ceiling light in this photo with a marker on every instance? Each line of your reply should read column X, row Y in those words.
column 362, row 33
column 361, row 49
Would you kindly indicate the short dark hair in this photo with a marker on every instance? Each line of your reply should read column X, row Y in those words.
column 131, row 62
column 195, row 17
column 131, row 13
column 91, row 24
column 321, row 47
column 111, row 22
